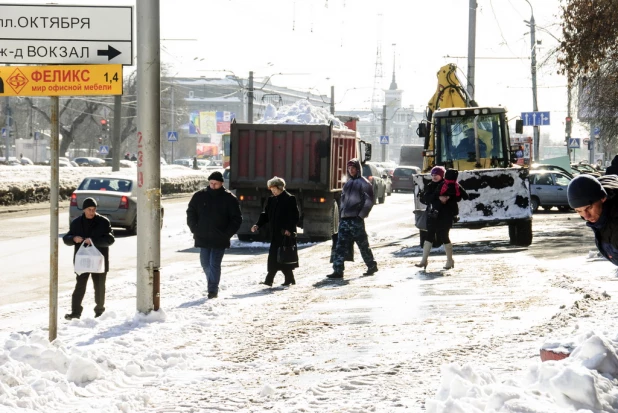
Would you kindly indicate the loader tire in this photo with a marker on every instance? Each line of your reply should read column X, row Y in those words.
column 520, row 233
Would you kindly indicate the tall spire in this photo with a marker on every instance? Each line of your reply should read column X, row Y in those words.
column 393, row 83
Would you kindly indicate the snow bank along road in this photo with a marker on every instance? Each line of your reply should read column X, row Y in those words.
column 364, row 344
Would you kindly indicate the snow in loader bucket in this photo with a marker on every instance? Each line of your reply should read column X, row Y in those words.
column 496, row 196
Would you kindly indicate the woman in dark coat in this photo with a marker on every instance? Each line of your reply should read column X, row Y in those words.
column 441, row 197
column 281, row 215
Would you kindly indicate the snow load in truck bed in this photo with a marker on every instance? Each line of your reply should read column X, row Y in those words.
column 300, row 113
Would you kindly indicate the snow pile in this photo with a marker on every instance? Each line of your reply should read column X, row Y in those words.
column 585, row 381
column 300, row 113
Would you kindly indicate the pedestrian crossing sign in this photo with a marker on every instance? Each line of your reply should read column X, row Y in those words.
column 574, row 143
column 384, row 139
column 104, row 149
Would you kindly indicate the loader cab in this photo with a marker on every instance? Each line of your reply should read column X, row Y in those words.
column 471, row 138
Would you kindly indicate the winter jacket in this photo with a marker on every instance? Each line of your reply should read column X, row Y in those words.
column 430, row 196
column 357, row 195
column 606, row 228
column 280, row 214
column 98, row 229
column 613, row 168
column 213, row 216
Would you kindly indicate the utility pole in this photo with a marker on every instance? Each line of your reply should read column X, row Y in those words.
column 535, row 107
column 250, row 99
column 332, row 100
column 471, row 47
column 116, row 133
column 173, row 120
column 383, row 132
column 148, row 154
column 7, row 130
column 54, row 164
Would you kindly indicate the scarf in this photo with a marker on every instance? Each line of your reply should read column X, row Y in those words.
column 448, row 182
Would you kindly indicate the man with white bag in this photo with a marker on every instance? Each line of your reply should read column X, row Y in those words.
column 89, row 230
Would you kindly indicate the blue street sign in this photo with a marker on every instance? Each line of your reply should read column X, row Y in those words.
column 37, row 136
column 384, row 139
column 535, row 118
column 574, row 143
column 597, row 132
column 103, row 149
column 4, row 132
column 172, row 136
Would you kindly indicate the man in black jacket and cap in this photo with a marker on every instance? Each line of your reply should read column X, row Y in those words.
column 213, row 216
column 596, row 202
column 89, row 228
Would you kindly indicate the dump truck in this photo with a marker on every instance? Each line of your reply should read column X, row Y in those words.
column 475, row 140
column 311, row 158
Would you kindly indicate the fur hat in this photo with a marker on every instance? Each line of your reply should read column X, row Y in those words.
column 216, row 176
column 438, row 170
column 584, row 190
column 451, row 174
column 89, row 202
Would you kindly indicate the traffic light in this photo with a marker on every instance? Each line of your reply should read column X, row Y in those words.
column 104, row 125
column 568, row 122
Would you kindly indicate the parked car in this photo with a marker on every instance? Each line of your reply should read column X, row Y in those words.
column 371, row 172
column 89, row 161
column 585, row 169
column 548, row 189
column 116, row 198
column 548, row 167
column 402, row 178
column 184, row 162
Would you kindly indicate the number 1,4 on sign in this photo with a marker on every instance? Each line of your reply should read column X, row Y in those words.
column 111, row 79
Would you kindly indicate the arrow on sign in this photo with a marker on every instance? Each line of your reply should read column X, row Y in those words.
column 110, row 52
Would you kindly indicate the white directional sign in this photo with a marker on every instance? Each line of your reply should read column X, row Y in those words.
column 55, row 34
column 384, row 139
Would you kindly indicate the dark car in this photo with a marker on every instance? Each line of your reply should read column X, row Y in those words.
column 402, row 178
column 548, row 189
column 372, row 173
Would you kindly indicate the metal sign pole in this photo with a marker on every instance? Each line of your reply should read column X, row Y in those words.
column 53, row 222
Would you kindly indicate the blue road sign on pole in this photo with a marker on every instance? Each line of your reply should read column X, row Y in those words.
column 4, row 132
column 384, row 139
column 103, row 149
column 574, row 143
column 535, row 118
column 172, row 136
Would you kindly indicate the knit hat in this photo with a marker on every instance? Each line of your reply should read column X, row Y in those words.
column 89, row 202
column 216, row 176
column 438, row 170
column 584, row 190
column 353, row 162
column 451, row 174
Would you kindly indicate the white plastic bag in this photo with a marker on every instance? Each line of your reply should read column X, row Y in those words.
column 89, row 259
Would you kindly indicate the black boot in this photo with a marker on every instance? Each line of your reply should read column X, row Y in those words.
column 289, row 278
column 335, row 274
column 372, row 269
column 270, row 277
column 71, row 316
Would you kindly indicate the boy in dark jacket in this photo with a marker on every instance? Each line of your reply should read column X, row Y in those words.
column 213, row 216
column 89, row 228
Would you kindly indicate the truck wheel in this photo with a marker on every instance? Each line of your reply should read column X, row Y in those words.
column 334, row 218
column 535, row 204
column 520, row 233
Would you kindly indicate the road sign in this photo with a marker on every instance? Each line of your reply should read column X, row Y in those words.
column 597, row 132
column 585, row 141
column 56, row 34
column 103, row 149
column 384, row 139
column 574, row 143
column 535, row 118
column 37, row 136
column 4, row 132
column 68, row 80
column 172, row 136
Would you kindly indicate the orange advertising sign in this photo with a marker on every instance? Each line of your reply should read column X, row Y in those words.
column 69, row 80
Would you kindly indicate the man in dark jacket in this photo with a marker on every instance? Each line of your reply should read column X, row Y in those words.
column 613, row 168
column 356, row 203
column 595, row 200
column 213, row 216
column 89, row 228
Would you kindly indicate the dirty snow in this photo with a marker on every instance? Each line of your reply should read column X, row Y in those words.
column 234, row 354
column 300, row 113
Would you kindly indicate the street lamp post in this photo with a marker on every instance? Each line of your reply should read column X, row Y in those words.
column 535, row 107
